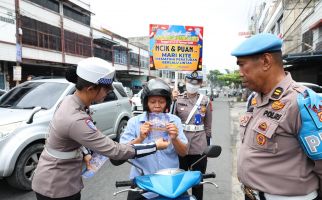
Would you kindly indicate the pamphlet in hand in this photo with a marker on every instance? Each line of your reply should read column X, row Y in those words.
column 96, row 162
column 158, row 128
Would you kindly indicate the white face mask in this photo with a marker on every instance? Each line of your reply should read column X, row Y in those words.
column 192, row 89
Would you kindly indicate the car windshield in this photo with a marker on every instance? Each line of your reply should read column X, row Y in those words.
column 316, row 89
column 33, row 94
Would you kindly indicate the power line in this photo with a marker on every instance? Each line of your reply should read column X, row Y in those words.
column 297, row 17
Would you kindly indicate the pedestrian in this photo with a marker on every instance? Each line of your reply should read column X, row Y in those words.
column 272, row 164
column 58, row 174
column 195, row 112
column 156, row 100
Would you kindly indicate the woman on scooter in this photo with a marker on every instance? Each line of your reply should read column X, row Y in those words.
column 156, row 100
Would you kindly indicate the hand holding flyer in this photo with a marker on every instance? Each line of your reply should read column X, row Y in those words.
column 158, row 125
column 96, row 162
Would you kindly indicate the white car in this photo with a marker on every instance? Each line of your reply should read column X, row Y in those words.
column 137, row 107
column 2, row 92
column 316, row 88
column 25, row 112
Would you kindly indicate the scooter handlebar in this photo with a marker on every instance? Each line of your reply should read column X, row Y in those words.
column 123, row 183
column 210, row 175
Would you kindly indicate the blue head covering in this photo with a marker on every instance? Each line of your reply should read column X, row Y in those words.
column 257, row 44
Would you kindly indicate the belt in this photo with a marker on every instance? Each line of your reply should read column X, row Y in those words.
column 63, row 155
column 193, row 128
column 257, row 195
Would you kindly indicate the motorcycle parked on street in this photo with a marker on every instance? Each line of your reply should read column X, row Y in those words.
column 168, row 183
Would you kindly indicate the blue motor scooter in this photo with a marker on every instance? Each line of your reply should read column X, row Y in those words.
column 168, row 183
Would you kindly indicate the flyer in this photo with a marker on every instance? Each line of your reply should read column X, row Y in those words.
column 96, row 163
column 158, row 128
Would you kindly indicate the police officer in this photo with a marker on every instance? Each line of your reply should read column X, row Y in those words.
column 271, row 161
column 58, row 174
column 195, row 113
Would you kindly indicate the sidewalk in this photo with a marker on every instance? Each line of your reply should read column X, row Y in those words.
column 236, row 110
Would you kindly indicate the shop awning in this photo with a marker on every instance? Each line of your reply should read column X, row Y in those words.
column 105, row 41
column 303, row 58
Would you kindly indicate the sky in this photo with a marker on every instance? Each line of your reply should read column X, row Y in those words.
column 221, row 20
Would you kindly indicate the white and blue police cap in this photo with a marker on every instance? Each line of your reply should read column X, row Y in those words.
column 96, row 70
column 194, row 77
column 258, row 44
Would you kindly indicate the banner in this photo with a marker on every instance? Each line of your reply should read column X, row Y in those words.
column 176, row 47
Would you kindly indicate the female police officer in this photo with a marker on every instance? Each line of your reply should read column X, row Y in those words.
column 58, row 174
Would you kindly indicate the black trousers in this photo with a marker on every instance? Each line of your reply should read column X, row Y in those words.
column 186, row 162
column 262, row 197
column 73, row 197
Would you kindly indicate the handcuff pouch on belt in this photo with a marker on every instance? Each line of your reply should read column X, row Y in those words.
column 250, row 193
column 310, row 134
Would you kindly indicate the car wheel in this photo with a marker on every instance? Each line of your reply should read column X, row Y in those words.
column 25, row 167
column 120, row 129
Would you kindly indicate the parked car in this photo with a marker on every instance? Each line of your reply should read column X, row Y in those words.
column 316, row 88
column 2, row 92
column 205, row 91
column 25, row 113
column 129, row 92
column 137, row 107
column 215, row 93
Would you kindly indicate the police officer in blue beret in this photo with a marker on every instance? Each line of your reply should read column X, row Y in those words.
column 271, row 161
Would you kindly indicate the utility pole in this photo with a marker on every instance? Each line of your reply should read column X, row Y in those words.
column 17, row 69
column 62, row 31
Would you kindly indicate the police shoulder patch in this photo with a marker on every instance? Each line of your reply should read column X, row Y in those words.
column 90, row 124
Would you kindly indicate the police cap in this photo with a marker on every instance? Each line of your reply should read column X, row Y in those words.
column 96, row 70
column 194, row 77
column 258, row 44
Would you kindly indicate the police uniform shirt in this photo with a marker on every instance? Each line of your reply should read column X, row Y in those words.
column 271, row 159
column 71, row 128
column 197, row 141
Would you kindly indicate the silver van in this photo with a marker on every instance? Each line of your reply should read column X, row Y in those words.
column 25, row 112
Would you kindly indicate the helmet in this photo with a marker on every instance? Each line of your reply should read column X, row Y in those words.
column 156, row 87
column 194, row 77
column 96, row 70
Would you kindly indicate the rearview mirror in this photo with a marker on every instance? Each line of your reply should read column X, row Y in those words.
column 213, row 151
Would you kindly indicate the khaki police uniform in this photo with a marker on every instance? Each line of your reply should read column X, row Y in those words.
column 197, row 141
column 71, row 128
column 271, row 159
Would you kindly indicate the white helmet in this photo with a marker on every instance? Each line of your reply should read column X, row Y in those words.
column 96, row 70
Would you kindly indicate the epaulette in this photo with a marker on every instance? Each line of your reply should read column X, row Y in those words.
column 299, row 88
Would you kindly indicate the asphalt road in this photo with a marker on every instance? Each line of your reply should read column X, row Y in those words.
column 102, row 185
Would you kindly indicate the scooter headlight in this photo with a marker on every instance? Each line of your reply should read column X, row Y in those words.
column 6, row 130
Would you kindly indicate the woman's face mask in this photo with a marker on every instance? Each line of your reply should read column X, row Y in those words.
column 192, row 89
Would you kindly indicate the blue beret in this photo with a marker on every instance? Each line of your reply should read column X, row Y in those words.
column 257, row 44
